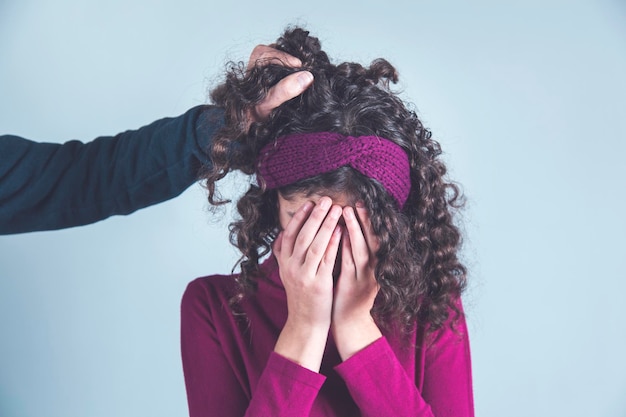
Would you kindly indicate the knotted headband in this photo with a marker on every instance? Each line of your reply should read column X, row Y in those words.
column 299, row 156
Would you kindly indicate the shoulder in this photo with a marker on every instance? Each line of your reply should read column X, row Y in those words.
column 206, row 292
column 453, row 334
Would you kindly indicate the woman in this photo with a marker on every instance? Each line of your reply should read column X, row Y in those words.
column 356, row 311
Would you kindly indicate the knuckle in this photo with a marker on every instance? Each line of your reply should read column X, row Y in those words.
column 347, row 262
column 299, row 216
column 289, row 234
column 360, row 266
column 315, row 252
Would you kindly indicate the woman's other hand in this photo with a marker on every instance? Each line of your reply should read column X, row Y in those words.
column 353, row 327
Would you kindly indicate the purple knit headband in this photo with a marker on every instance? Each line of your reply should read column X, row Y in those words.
column 304, row 155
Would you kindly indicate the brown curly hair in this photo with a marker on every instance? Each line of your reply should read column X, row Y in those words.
column 419, row 273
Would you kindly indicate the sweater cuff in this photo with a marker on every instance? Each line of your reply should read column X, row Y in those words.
column 207, row 121
column 285, row 389
column 292, row 371
column 364, row 357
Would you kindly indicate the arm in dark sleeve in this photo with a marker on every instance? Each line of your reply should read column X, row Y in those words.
column 46, row 186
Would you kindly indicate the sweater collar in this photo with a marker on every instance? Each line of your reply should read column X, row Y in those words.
column 270, row 272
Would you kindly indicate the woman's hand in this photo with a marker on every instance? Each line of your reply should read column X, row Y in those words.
column 353, row 327
column 306, row 251
column 286, row 89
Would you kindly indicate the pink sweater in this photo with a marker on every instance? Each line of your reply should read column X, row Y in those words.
column 231, row 370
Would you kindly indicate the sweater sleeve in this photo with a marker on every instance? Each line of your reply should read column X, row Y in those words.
column 447, row 388
column 285, row 389
column 46, row 186
column 448, row 372
column 215, row 378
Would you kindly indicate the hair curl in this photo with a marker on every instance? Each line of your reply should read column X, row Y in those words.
column 419, row 273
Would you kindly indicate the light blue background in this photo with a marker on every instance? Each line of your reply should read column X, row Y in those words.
column 527, row 99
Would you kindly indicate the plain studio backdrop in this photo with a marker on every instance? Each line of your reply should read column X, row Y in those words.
column 527, row 99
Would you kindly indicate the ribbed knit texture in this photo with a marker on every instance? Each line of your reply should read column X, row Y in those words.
column 295, row 157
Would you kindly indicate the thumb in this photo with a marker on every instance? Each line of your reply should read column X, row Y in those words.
column 289, row 87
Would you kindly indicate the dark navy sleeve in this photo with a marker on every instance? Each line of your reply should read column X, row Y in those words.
column 46, row 186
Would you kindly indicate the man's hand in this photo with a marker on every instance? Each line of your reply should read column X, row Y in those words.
column 286, row 89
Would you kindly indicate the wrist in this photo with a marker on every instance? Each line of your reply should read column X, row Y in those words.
column 303, row 344
column 351, row 336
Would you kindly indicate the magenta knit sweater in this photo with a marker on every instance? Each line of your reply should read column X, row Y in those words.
column 231, row 370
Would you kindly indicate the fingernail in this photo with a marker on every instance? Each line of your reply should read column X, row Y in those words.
column 305, row 78
column 325, row 203
column 349, row 213
column 335, row 213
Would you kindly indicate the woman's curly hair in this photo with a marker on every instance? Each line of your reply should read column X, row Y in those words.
column 420, row 276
